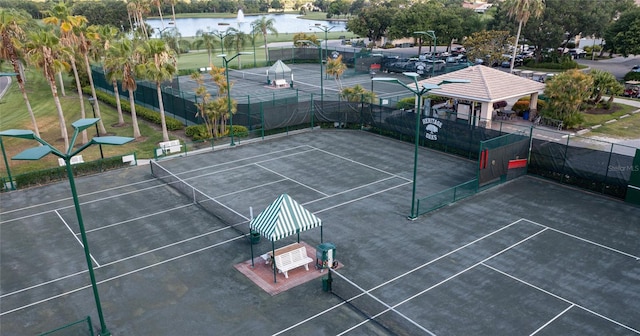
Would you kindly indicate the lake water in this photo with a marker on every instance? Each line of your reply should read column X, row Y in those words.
column 284, row 23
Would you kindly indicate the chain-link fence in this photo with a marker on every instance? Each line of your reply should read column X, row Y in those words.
column 575, row 160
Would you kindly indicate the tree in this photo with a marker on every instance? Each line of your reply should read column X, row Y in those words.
column 158, row 64
column 60, row 17
column 488, row 46
column 336, row 68
column 264, row 26
column 567, row 92
column 208, row 41
column 522, row 10
column 202, row 104
column 173, row 11
column 236, row 39
column 11, row 35
column 108, row 35
column 44, row 51
column 277, row 5
column 120, row 63
column 622, row 35
column 373, row 22
column 604, row 82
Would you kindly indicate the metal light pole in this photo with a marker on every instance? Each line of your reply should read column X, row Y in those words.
column 431, row 34
column 226, row 71
column 325, row 29
column 221, row 35
column 419, row 92
column 93, row 101
column 39, row 152
column 320, row 55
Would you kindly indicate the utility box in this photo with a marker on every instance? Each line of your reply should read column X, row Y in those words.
column 326, row 256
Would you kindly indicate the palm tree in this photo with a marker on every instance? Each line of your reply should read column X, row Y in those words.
column 336, row 68
column 10, row 50
column 60, row 17
column 158, row 4
column 604, row 82
column 109, row 34
column 207, row 40
column 173, row 11
column 120, row 63
column 522, row 10
column 158, row 65
column 43, row 50
column 264, row 26
column 236, row 39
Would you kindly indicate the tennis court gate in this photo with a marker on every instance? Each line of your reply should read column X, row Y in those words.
column 503, row 158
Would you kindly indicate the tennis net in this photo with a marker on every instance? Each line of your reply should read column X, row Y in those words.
column 223, row 213
column 373, row 309
column 250, row 76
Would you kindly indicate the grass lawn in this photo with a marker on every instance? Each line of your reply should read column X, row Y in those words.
column 600, row 118
column 626, row 128
column 15, row 116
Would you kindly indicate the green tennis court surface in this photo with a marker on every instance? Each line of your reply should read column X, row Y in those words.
column 528, row 257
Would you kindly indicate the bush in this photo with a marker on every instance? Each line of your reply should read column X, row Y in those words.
column 197, row 132
column 632, row 76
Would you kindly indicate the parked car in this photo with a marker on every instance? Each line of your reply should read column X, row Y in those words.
column 636, row 68
column 507, row 63
column 437, row 65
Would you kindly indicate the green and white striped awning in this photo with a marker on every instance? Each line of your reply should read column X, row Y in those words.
column 283, row 218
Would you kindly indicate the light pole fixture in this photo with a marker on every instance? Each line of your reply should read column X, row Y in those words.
column 431, row 34
column 320, row 55
column 221, row 35
column 39, row 152
column 93, row 102
column 326, row 30
column 226, row 72
column 419, row 92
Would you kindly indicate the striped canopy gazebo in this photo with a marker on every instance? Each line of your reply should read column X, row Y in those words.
column 282, row 218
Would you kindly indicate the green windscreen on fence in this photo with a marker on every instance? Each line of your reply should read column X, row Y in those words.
column 633, row 189
column 503, row 157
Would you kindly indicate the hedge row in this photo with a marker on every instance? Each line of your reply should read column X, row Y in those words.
column 45, row 176
column 173, row 124
column 199, row 132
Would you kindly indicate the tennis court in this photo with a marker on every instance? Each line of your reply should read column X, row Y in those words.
column 306, row 80
column 528, row 257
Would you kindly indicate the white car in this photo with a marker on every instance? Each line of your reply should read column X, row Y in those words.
column 437, row 65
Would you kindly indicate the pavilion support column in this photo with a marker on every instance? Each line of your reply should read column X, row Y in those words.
column 486, row 114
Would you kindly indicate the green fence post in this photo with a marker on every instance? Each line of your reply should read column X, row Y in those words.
column 564, row 161
column 262, row 119
column 249, row 113
column 312, row 107
column 606, row 174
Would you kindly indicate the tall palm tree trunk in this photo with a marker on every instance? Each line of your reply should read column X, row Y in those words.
column 20, row 79
column 266, row 49
column 64, row 94
column 134, row 116
column 80, row 96
column 163, row 122
column 101, row 128
column 116, row 93
column 63, row 124
column 515, row 49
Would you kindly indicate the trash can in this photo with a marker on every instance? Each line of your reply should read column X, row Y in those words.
column 525, row 115
column 325, row 255
column 254, row 236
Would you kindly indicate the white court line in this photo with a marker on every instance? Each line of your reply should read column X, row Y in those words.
column 551, row 320
column 404, row 274
column 118, row 276
column 292, row 180
column 585, row 240
column 139, row 218
column 76, row 236
column 560, row 298
column 159, row 263
column 446, row 280
column 389, row 308
column 360, row 163
column 88, row 202
column 70, row 198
